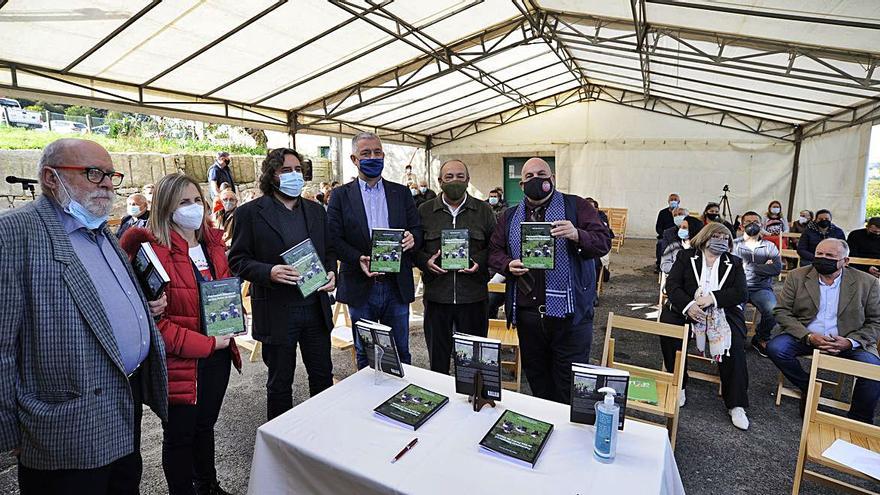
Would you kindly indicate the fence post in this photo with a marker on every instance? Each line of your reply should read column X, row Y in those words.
column 88, row 123
column 48, row 119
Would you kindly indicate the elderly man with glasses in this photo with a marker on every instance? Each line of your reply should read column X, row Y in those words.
column 79, row 351
column 836, row 309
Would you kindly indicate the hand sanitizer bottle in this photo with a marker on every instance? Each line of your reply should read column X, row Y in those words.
column 607, row 413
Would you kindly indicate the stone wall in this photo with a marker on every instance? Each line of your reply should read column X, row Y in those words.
column 139, row 169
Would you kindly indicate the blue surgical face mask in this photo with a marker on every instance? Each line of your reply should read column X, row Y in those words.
column 133, row 210
column 78, row 211
column 673, row 204
column 372, row 167
column 677, row 219
column 415, row 192
column 493, row 201
column 683, row 234
column 423, row 189
column 291, row 183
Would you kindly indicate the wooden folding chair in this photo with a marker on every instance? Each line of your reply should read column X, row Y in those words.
column 787, row 253
column 668, row 384
column 509, row 340
column 820, row 429
column 662, row 300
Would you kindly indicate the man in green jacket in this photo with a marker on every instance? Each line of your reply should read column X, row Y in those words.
column 455, row 300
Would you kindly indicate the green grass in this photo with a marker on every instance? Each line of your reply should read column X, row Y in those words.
column 12, row 138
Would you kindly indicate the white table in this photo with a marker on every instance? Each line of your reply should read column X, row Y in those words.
column 334, row 444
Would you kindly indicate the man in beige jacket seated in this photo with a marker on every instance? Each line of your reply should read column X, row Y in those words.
column 836, row 309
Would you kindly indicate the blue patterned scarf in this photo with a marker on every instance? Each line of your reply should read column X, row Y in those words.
column 559, row 299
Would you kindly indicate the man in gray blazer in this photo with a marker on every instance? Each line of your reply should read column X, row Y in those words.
column 79, row 351
column 836, row 309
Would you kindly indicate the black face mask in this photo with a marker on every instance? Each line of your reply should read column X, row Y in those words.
column 752, row 229
column 825, row 266
column 824, row 224
column 538, row 188
column 712, row 216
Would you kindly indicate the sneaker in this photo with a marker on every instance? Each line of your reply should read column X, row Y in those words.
column 739, row 419
column 682, row 398
column 759, row 346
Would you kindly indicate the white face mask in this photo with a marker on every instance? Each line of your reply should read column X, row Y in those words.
column 803, row 220
column 189, row 217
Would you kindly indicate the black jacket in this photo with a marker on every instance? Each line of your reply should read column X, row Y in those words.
column 453, row 287
column 664, row 221
column 129, row 221
column 351, row 239
column 670, row 235
column 811, row 237
column 257, row 244
column 863, row 245
column 681, row 285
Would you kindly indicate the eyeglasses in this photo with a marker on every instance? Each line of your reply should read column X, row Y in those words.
column 95, row 175
column 721, row 237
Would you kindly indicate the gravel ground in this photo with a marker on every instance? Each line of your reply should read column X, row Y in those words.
column 713, row 456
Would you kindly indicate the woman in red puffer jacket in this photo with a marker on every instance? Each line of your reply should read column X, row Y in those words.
column 198, row 365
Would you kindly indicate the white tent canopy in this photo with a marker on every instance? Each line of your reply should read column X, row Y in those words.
column 433, row 73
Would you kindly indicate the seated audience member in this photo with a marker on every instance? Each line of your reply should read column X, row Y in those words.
column 800, row 225
column 761, row 264
column 147, row 191
column 836, row 309
column 683, row 234
column 192, row 252
column 664, row 221
column 496, row 201
column 775, row 223
column 865, row 243
column 816, row 232
column 217, row 205
column 416, row 195
column 712, row 213
column 706, row 289
column 224, row 219
column 137, row 213
column 427, row 193
column 680, row 215
column 605, row 259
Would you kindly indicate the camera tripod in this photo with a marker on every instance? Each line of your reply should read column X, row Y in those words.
column 726, row 211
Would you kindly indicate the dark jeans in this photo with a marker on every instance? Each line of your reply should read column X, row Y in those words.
column 188, row 435
column 309, row 331
column 732, row 369
column 441, row 320
column 658, row 253
column 764, row 300
column 494, row 303
column 784, row 350
column 548, row 347
column 120, row 477
column 386, row 307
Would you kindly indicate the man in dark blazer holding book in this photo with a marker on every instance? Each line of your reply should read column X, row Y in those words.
column 79, row 351
column 366, row 203
column 282, row 318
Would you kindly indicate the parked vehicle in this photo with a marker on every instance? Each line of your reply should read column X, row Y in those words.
column 68, row 127
column 13, row 115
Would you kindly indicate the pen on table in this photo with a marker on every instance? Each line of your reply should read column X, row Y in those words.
column 406, row 449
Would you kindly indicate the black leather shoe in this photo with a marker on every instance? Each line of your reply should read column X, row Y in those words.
column 211, row 489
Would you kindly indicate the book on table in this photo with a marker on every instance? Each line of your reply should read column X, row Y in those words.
column 643, row 389
column 586, row 380
column 150, row 273
column 517, row 438
column 387, row 250
column 372, row 334
column 412, row 406
column 454, row 249
column 305, row 259
column 477, row 355
column 221, row 307
column 537, row 246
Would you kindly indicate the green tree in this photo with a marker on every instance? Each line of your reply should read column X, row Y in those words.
column 872, row 205
column 80, row 111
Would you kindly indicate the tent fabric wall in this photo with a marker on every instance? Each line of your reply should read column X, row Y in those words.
column 629, row 158
column 832, row 175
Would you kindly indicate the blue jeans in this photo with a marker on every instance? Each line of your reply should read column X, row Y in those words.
column 383, row 306
column 765, row 300
column 784, row 350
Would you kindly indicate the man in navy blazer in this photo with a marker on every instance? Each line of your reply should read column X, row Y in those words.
column 366, row 203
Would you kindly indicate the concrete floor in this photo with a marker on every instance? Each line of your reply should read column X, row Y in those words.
column 713, row 456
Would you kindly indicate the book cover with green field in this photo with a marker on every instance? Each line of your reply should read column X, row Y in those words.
column 642, row 390
column 412, row 406
column 305, row 259
column 538, row 248
column 517, row 438
column 454, row 252
column 387, row 250
column 221, row 307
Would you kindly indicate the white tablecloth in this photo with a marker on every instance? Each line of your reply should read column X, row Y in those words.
column 334, row 444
